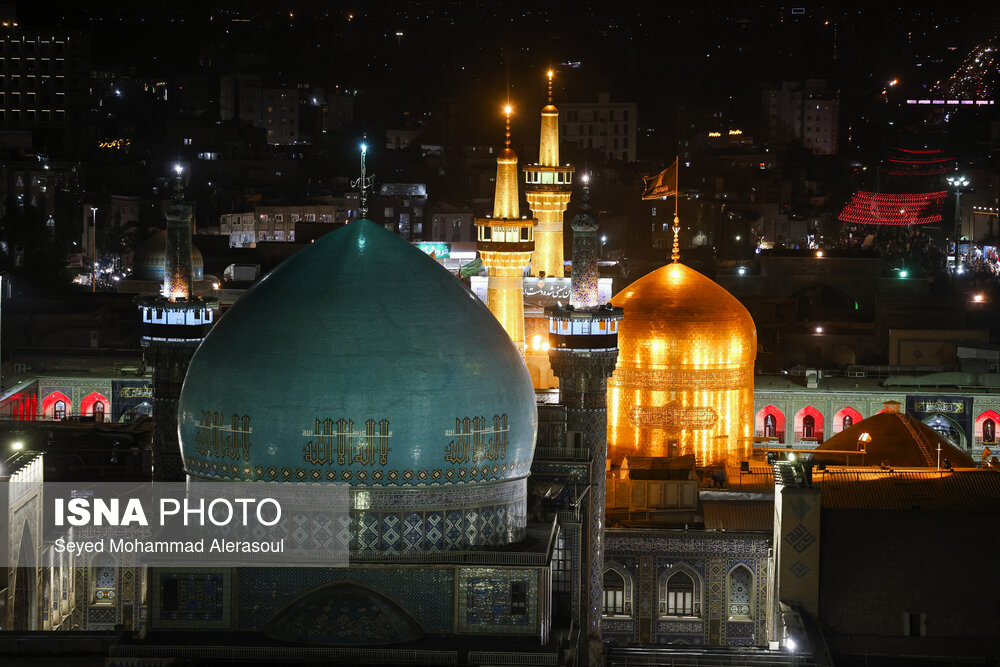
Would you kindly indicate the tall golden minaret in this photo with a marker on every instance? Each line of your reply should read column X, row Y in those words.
column 505, row 242
column 547, row 187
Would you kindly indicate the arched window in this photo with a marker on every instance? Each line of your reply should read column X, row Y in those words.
column 741, row 593
column 98, row 411
column 614, row 593
column 848, row 422
column 679, row 598
column 808, row 426
column 59, row 410
column 770, row 426
column 105, row 584
column 989, row 431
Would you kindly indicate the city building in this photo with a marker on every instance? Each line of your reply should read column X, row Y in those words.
column 42, row 79
column 275, row 223
column 804, row 112
column 605, row 126
column 403, row 207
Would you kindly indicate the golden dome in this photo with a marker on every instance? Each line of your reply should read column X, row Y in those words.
column 685, row 370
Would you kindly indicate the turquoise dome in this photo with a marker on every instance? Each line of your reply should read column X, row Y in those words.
column 359, row 360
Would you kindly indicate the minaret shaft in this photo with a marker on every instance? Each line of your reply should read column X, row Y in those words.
column 505, row 204
column 505, row 243
column 547, row 189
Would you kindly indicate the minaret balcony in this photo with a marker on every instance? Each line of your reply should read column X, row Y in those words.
column 541, row 177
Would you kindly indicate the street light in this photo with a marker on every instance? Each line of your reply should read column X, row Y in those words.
column 958, row 182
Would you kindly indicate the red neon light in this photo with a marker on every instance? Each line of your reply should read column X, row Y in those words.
column 907, row 150
column 880, row 208
column 941, row 159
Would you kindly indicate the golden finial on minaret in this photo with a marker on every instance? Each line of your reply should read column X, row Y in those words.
column 550, row 74
column 507, row 110
column 505, row 202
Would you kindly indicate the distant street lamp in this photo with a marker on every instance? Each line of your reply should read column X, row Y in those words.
column 958, row 182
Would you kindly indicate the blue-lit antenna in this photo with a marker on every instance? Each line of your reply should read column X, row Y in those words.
column 364, row 182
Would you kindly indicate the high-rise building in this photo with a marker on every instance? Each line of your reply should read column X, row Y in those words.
column 806, row 112
column 505, row 242
column 605, row 126
column 41, row 78
column 547, row 186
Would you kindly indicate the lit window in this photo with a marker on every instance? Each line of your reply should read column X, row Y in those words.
column 99, row 411
column 59, row 410
column 614, row 593
column 678, row 595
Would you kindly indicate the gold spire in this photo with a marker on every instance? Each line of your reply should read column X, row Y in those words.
column 548, row 141
column 505, row 203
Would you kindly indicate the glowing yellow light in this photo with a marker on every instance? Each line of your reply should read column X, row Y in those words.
column 550, row 74
column 734, row 133
column 685, row 370
column 977, row 298
column 536, row 342
column 819, row 253
column 715, row 134
column 508, row 109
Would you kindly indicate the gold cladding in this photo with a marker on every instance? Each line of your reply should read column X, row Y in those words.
column 685, row 370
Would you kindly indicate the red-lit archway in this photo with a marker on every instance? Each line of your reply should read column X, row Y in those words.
column 770, row 423
column 987, row 429
column 94, row 404
column 809, row 424
column 845, row 419
column 57, row 406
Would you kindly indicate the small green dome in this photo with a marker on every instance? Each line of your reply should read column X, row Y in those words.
column 359, row 359
column 150, row 260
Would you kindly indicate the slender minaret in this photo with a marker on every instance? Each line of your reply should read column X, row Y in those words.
column 505, row 242
column 547, row 189
column 583, row 354
column 174, row 323
column 585, row 272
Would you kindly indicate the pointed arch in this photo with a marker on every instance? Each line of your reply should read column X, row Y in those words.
column 89, row 404
column 987, row 428
column 740, row 593
column 845, row 419
column 617, row 596
column 57, row 403
column 770, row 423
column 809, row 424
column 316, row 617
column 679, row 591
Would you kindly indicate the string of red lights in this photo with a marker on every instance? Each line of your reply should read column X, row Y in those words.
column 880, row 208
